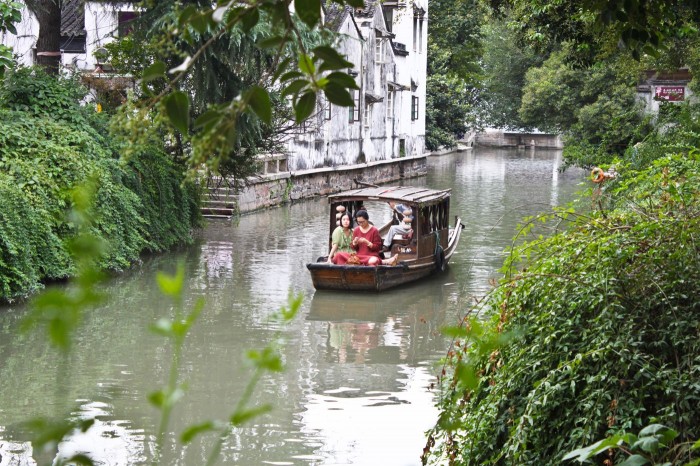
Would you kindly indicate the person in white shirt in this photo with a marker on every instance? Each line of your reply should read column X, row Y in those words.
column 403, row 228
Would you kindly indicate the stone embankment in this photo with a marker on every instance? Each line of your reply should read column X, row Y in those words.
column 271, row 189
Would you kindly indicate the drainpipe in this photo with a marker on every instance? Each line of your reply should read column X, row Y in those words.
column 361, row 100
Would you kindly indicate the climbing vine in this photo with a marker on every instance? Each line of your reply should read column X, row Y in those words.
column 593, row 331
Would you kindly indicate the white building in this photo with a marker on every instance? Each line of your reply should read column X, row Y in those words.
column 85, row 27
column 387, row 42
column 658, row 88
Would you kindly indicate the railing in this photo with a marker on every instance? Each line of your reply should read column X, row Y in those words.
column 273, row 163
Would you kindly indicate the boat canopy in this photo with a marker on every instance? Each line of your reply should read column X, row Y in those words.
column 401, row 194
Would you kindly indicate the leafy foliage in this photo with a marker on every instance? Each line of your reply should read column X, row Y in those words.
column 607, row 322
column 642, row 26
column 10, row 13
column 650, row 447
column 454, row 49
column 222, row 82
column 505, row 63
column 49, row 146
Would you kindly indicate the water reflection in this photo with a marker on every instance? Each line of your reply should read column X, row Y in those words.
column 359, row 366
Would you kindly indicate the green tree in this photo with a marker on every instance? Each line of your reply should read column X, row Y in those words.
column 552, row 95
column 454, row 50
column 505, row 63
column 48, row 42
column 264, row 55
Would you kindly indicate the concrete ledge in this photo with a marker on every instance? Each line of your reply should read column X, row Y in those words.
column 279, row 188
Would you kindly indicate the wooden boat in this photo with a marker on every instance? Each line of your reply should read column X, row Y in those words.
column 427, row 251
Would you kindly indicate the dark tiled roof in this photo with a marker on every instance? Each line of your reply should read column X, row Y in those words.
column 367, row 11
column 336, row 15
column 73, row 18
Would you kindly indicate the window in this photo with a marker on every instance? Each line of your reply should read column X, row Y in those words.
column 368, row 115
column 125, row 21
column 379, row 48
column 389, row 17
column 420, row 35
column 354, row 112
column 327, row 110
column 414, row 108
column 389, row 104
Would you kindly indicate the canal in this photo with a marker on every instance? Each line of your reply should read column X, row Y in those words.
column 358, row 366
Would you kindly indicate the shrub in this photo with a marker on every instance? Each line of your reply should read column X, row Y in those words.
column 608, row 318
column 48, row 146
column 29, row 250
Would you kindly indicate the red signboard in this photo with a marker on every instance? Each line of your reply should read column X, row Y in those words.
column 671, row 93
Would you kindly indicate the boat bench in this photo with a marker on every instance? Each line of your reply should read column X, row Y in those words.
column 403, row 245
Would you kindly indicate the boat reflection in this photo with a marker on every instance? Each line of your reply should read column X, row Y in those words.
column 391, row 328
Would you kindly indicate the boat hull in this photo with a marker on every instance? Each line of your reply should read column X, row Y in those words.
column 327, row 276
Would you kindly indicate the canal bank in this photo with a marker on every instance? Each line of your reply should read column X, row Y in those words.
column 279, row 187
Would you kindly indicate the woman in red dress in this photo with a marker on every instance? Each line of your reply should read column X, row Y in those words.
column 365, row 240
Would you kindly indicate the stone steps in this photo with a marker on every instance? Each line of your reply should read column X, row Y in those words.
column 219, row 202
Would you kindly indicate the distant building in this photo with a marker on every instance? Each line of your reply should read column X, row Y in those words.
column 85, row 28
column 656, row 88
column 386, row 41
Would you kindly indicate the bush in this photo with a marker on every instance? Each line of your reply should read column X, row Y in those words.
column 608, row 318
column 48, row 146
column 29, row 250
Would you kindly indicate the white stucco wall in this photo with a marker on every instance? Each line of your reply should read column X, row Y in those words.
column 101, row 22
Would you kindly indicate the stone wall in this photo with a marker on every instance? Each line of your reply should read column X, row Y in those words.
column 279, row 188
column 514, row 139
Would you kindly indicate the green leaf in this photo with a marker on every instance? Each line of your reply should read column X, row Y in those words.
column 291, row 75
column 309, row 11
column 208, row 119
column 332, row 60
column 294, row 87
column 304, row 106
column 177, row 109
column 272, row 42
column 249, row 19
column 696, row 446
column 244, row 415
column 202, row 22
column 259, row 101
column 648, row 444
column 582, row 454
column 153, row 72
column 343, row 79
column 338, row 95
column 80, row 459
column 306, row 65
column 467, row 376
column 294, row 303
column 157, row 398
column 196, row 311
column 192, row 431
column 186, row 14
column 635, row 460
column 455, row 332
column 172, row 284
